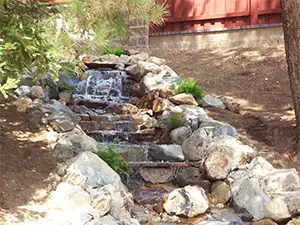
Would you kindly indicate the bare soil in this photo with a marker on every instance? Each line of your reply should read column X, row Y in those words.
column 27, row 170
column 258, row 79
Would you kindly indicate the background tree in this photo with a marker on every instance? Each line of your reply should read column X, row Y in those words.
column 291, row 27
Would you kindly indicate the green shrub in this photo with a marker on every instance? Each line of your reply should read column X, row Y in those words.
column 114, row 159
column 114, row 51
column 174, row 121
column 190, row 86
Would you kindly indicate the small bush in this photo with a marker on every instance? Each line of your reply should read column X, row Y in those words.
column 114, row 159
column 190, row 86
column 66, row 87
column 174, row 121
column 114, row 51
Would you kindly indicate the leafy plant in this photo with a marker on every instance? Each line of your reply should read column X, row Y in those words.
column 91, row 26
column 114, row 159
column 11, row 83
column 174, row 121
column 190, row 86
column 114, row 51
column 23, row 41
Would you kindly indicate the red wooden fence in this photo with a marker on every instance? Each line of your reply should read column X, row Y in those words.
column 213, row 15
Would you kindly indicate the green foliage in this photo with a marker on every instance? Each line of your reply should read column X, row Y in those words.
column 98, row 23
column 190, row 86
column 62, row 86
column 174, row 121
column 23, row 41
column 114, row 159
column 11, row 83
column 114, row 51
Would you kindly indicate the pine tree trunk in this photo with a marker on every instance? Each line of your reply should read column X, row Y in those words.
column 291, row 26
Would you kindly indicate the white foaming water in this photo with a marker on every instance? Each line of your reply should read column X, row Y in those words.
column 102, row 86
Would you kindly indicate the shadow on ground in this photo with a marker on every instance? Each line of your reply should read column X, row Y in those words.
column 27, row 168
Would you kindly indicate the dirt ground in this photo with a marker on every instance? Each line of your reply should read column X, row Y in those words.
column 258, row 79
column 26, row 169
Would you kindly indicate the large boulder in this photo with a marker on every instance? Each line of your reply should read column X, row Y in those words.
column 259, row 167
column 250, row 199
column 277, row 210
column 134, row 72
column 183, row 99
column 192, row 112
column 189, row 201
column 147, row 67
column 164, row 80
column 23, row 91
column 285, row 180
column 87, row 169
column 172, row 153
column 218, row 162
column 81, row 142
column 134, row 59
column 194, row 148
column 61, row 122
column 180, row 134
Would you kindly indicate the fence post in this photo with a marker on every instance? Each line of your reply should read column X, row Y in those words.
column 253, row 12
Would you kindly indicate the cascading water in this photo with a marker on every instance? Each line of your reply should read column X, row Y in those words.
column 104, row 86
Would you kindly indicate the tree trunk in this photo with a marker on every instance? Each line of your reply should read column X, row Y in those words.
column 290, row 10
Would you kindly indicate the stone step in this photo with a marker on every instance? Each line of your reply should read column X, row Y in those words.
column 106, row 118
column 131, row 137
column 122, row 126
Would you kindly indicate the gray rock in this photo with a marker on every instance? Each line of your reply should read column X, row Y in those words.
column 81, row 141
column 134, row 72
column 220, row 193
column 23, row 91
column 157, row 175
column 165, row 80
column 189, row 201
column 183, row 99
column 277, row 210
column 45, row 81
column 61, row 122
column 124, row 59
column 120, row 66
column 120, row 205
column 109, row 58
column 37, row 92
column 250, row 198
column 284, row 180
column 134, row 59
column 87, row 169
column 171, row 153
column 147, row 67
column 236, row 178
column 218, row 162
column 70, row 197
column 194, row 148
column 180, row 134
column 212, row 101
column 292, row 200
column 227, row 130
column 63, row 150
column 259, row 167
column 192, row 112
